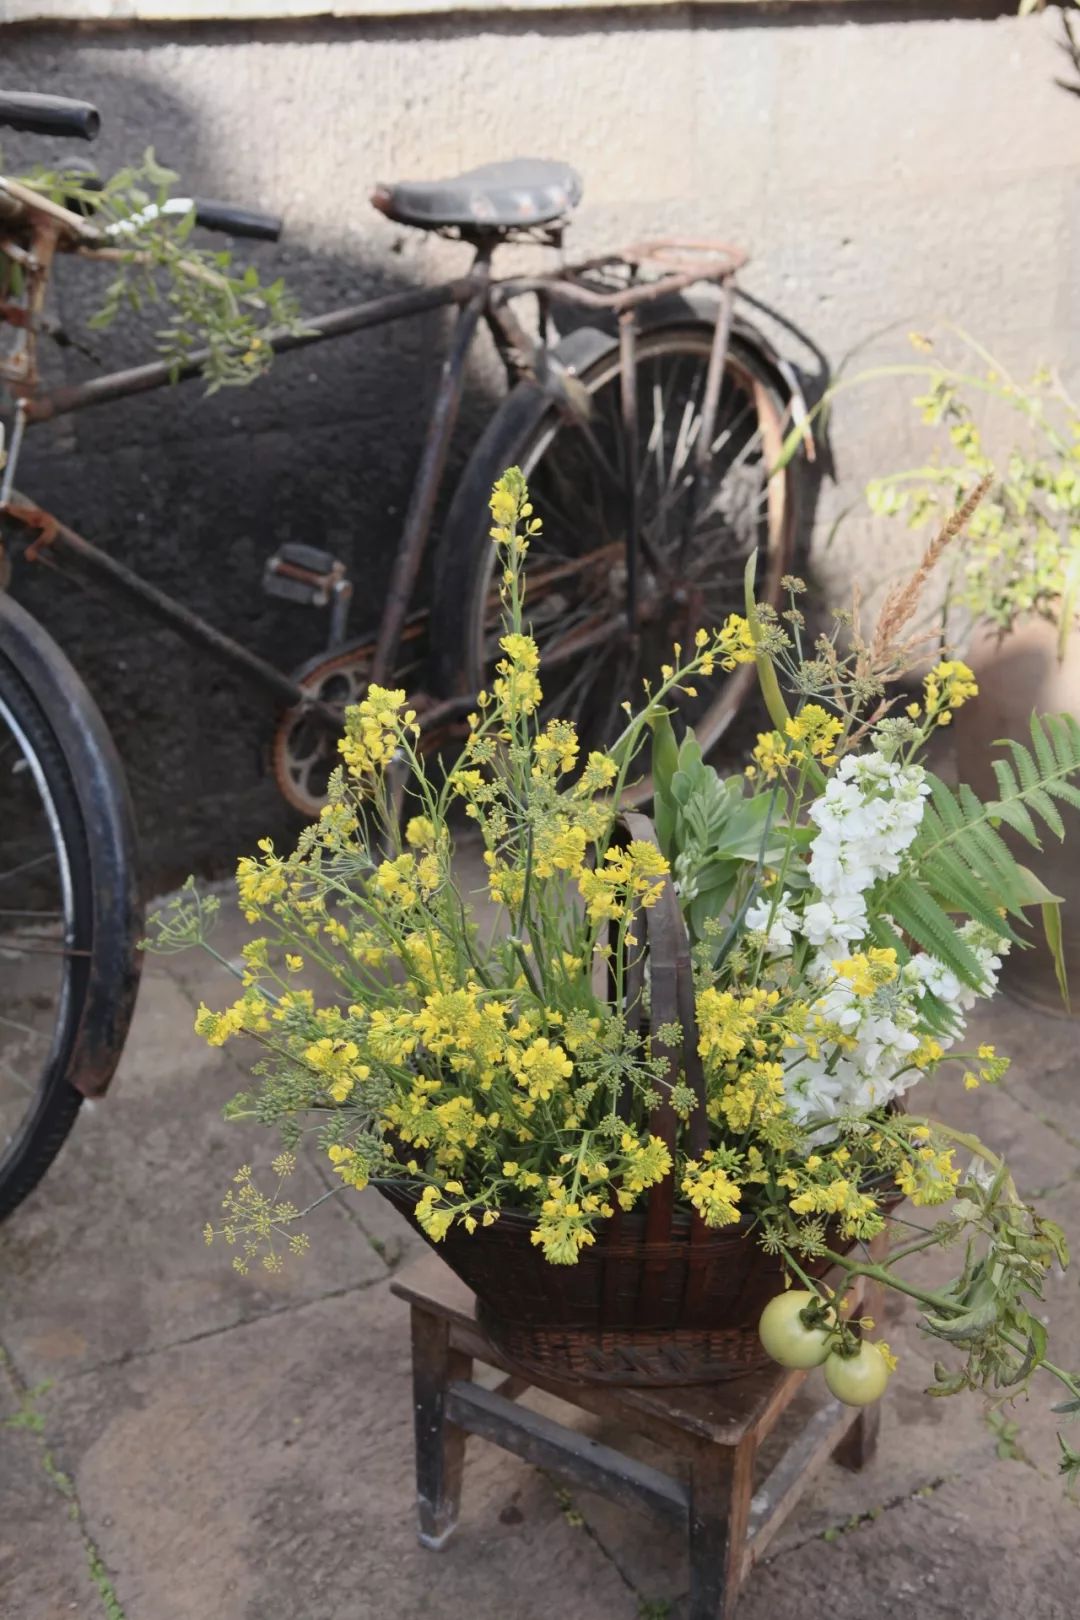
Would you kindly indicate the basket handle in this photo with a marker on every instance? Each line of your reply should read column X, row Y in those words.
column 672, row 995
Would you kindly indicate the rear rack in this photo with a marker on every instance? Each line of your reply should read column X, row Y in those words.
column 638, row 274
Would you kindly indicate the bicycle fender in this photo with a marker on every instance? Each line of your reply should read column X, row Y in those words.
column 703, row 306
column 103, row 797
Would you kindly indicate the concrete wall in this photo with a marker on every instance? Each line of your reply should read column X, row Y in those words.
column 887, row 166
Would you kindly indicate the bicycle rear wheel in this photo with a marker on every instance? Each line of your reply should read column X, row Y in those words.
column 68, row 917
column 693, row 557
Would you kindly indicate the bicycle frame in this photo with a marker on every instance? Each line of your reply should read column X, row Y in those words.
column 674, row 266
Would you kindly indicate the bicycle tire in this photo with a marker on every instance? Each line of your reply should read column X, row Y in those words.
column 514, row 436
column 67, row 748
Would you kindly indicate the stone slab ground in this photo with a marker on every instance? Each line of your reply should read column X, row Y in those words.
column 185, row 1444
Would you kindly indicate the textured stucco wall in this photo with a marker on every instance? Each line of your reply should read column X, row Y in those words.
column 886, row 169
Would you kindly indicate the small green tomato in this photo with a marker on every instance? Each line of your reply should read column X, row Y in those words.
column 858, row 1380
column 786, row 1336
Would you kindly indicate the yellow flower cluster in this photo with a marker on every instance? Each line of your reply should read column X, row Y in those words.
column 349, row 1166
column 728, row 1023
column 816, row 731
column 989, row 1069
column 734, row 643
column 249, row 1016
column 771, row 756
column 336, row 1062
column 540, row 1069
column 517, row 685
column 868, row 971
column 755, row 1096
column 563, row 1229
column 812, row 733
column 946, row 688
column 929, row 1176
column 711, row 1191
column 628, row 873
column 373, row 732
column 826, row 1186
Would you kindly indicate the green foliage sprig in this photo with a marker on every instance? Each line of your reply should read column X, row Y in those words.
column 208, row 304
column 1021, row 557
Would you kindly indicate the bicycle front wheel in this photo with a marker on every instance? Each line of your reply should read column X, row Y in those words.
column 694, row 542
column 68, row 914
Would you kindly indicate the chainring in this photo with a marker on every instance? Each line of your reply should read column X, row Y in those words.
column 305, row 752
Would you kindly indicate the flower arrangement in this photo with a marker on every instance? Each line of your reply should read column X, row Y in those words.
column 846, row 910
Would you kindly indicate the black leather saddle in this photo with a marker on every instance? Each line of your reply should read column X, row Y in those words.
column 494, row 197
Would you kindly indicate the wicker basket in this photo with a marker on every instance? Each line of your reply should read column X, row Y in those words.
column 659, row 1298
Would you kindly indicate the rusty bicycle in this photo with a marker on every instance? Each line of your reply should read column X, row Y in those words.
column 650, row 431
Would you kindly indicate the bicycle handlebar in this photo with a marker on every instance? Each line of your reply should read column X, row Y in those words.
column 48, row 115
column 219, row 216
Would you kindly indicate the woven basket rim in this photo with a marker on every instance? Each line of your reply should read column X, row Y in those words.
column 631, row 1226
column 632, row 1222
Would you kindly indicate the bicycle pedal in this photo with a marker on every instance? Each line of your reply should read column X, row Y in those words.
column 305, row 574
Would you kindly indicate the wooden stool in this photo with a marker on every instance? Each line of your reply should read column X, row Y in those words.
column 716, row 1427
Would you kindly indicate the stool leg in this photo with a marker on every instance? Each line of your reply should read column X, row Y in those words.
column 721, row 1485
column 440, row 1445
column 857, row 1447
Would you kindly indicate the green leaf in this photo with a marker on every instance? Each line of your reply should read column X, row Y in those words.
column 1029, row 890
column 665, row 754
column 1051, row 921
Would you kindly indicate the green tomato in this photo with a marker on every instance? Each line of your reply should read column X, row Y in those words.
column 858, row 1380
column 786, row 1337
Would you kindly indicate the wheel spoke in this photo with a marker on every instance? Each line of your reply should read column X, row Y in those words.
column 27, row 866
column 23, row 1029
column 694, row 540
column 15, row 1079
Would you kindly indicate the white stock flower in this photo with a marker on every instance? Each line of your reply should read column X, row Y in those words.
column 831, row 925
column 778, row 932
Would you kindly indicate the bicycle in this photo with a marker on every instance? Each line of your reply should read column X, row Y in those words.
column 648, row 432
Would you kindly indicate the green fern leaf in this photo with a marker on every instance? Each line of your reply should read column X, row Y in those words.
column 1041, row 802
column 1025, row 765
column 997, row 862
column 945, row 803
column 1060, row 738
column 1008, row 786
column 1043, row 751
column 955, row 889
column 1065, row 792
column 919, row 915
column 1014, row 814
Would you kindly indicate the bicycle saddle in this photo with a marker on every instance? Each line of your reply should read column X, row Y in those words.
column 496, row 196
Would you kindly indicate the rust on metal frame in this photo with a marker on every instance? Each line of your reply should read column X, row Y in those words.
column 32, row 517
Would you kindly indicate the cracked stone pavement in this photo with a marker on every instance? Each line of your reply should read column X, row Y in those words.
column 195, row 1445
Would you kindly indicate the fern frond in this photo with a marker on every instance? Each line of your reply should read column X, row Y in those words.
column 960, row 862
column 956, row 888
column 920, row 916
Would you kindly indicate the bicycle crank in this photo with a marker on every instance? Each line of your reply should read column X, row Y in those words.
column 305, row 750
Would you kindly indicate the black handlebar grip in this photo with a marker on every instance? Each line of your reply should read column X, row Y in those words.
column 219, row 216
column 48, row 115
